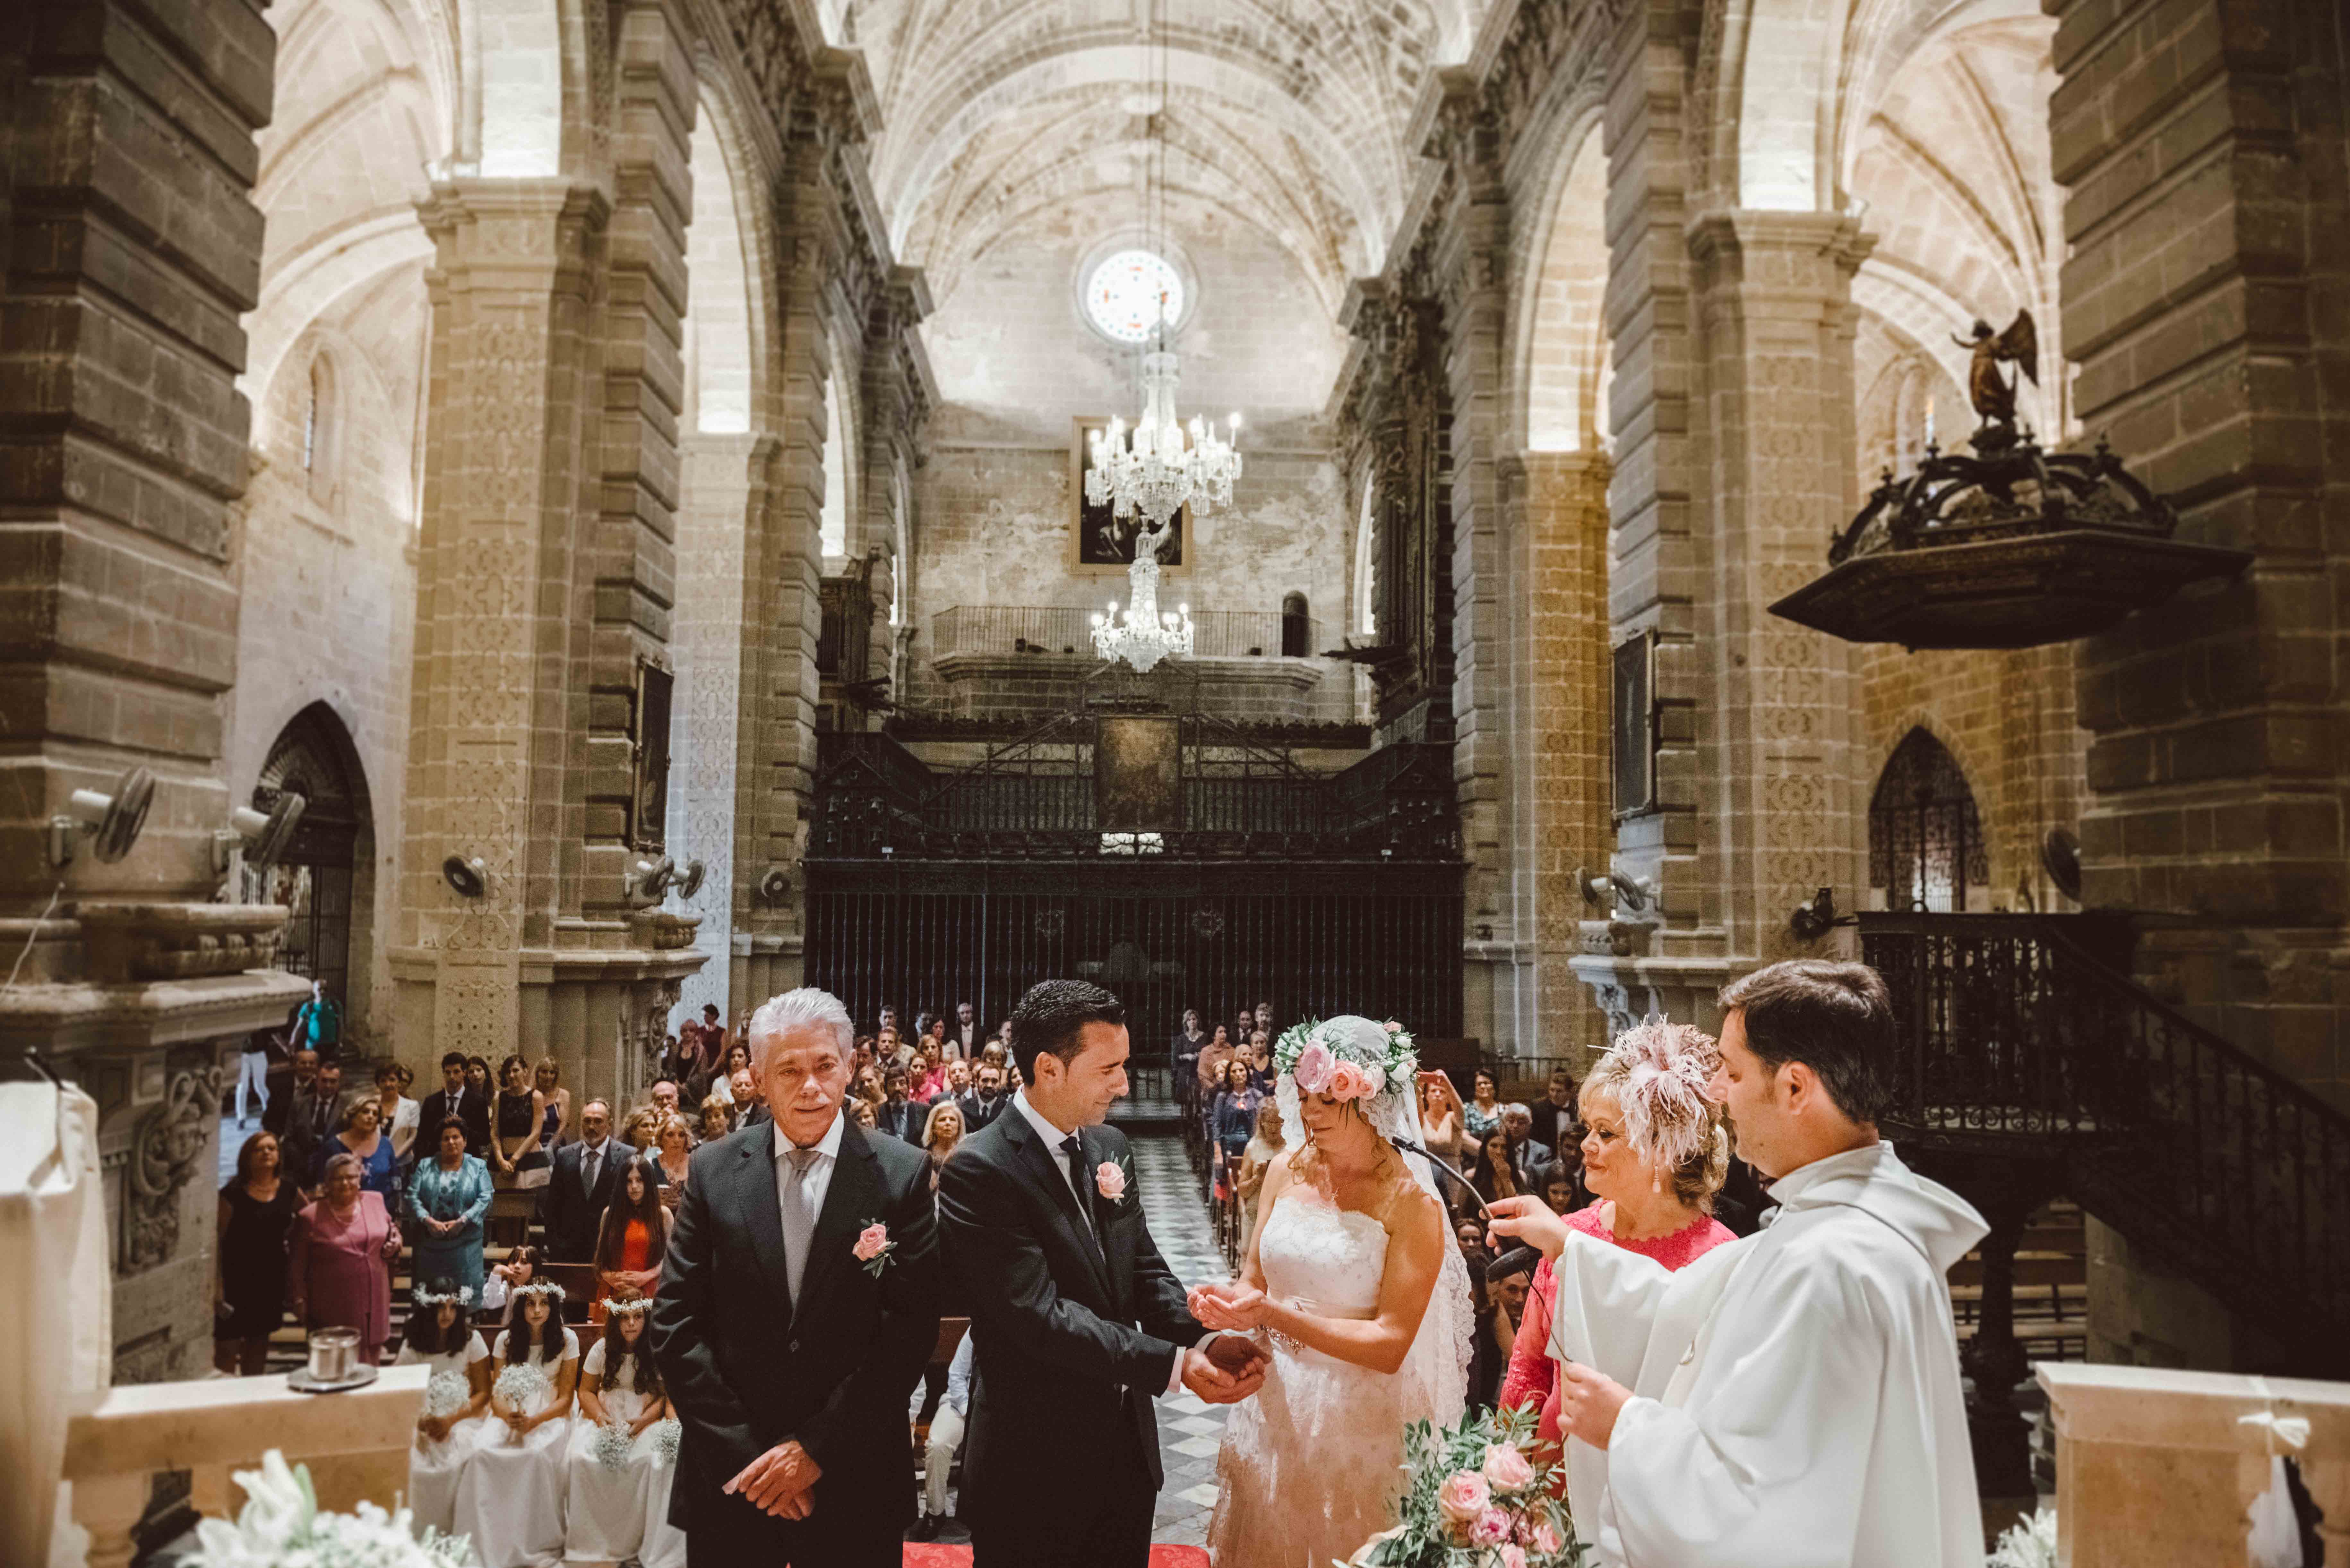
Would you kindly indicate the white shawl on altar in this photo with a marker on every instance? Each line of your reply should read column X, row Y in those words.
column 1797, row 1392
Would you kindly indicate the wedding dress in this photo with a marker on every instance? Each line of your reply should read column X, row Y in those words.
column 1309, row 1467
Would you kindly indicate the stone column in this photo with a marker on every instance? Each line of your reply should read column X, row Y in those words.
column 129, row 246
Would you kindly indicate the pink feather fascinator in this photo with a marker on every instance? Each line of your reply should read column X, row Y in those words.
column 1658, row 1071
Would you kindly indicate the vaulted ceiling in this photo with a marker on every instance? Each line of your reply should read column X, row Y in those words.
column 1289, row 113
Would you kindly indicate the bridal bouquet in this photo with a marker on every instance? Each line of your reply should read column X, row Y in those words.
column 1479, row 1498
column 281, row 1525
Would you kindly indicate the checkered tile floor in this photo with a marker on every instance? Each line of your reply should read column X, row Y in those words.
column 1189, row 1432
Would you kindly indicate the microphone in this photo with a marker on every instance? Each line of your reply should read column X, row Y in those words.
column 1436, row 1164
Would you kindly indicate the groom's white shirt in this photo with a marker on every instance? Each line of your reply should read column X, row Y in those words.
column 1797, row 1399
column 1053, row 1137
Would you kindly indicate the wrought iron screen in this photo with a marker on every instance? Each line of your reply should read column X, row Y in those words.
column 1925, row 842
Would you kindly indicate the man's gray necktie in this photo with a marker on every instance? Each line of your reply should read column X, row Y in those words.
column 591, row 1166
column 799, row 1218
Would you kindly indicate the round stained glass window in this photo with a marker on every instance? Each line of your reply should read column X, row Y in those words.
column 1132, row 292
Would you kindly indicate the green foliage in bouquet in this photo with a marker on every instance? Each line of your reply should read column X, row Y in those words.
column 1481, row 1495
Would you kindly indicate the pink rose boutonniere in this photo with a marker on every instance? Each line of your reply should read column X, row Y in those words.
column 873, row 1248
column 1109, row 1180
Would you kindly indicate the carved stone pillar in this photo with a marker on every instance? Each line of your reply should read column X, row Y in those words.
column 123, row 448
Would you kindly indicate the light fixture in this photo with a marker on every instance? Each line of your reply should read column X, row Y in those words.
column 1143, row 634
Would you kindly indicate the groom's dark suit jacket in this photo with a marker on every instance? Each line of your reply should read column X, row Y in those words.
column 746, row 1370
column 1074, row 1337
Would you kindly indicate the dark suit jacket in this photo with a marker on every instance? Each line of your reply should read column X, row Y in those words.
column 978, row 1113
column 473, row 1110
column 903, row 1121
column 572, row 1214
column 1074, row 1337
column 746, row 1369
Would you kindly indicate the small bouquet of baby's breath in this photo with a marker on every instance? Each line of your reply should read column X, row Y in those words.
column 666, row 1435
column 1481, row 1495
column 446, row 1394
column 611, row 1445
column 281, row 1526
column 523, row 1386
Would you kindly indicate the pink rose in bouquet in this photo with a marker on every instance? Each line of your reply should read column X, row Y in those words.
column 1465, row 1496
column 1313, row 1068
column 1506, row 1468
column 1492, row 1529
column 1513, row 1556
column 1542, row 1536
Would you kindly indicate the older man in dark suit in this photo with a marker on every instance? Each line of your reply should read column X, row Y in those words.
column 580, row 1187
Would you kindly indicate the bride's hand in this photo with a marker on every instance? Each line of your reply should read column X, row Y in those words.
column 1214, row 1297
column 1241, row 1311
column 1529, row 1221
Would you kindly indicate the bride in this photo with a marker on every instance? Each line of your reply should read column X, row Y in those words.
column 1352, row 1277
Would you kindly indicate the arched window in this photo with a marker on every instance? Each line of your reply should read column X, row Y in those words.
column 833, row 529
column 321, row 429
column 1926, row 844
column 1297, row 627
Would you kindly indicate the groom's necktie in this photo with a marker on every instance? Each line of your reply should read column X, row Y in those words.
column 1075, row 1155
column 799, row 1218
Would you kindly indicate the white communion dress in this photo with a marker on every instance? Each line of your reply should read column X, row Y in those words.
column 1309, row 1467
column 511, row 1498
column 434, row 1468
column 607, row 1506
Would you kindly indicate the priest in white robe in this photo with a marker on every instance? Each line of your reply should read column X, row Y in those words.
column 1792, row 1399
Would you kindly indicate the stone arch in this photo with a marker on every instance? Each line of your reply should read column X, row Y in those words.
column 327, row 876
column 1927, row 848
column 724, row 369
column 1560, row 356
column 832, row 521
column 528, row 72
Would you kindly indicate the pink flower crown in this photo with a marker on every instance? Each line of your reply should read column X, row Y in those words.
column 1323, row 1063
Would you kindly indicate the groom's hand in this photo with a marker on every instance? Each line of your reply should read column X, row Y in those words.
column 1233, row 1353
column 1588, row 1403
column 1213, row 1385
column 778, row 1481
column 1529, row 1219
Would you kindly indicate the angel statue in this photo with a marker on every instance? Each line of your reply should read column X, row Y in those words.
column 1993, row 394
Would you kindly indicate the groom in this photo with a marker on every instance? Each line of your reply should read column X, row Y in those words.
column 1077, row 1324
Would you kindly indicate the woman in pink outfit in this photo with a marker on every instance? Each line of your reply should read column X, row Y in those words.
column 1654, row 1155
column 338, row 1258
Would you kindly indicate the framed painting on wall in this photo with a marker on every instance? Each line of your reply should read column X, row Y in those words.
column 1101, row 543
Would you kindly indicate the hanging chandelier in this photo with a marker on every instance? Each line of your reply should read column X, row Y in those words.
column 1159, row 468
column 1144, row 634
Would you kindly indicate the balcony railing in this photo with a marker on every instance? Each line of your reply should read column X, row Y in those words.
column 1003, row 629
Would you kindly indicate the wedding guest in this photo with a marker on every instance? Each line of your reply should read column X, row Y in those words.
column 634, row 1238
column 256, row 1209
column 1183, row 1059
column 717, row 1118
column 448, row 1198
column 1260, row 1063
column 1243, row 1025
column 1211, row 1071
column 1262, row 1151
column 313, row 1113
column 515, row 1122
column 1527, row 1159
column 964, row 1041
column 302, row 1066
column 557, row 1124
column 510, row 1497
column 947, row 1425
column 477, row 1077
column 867, row 1087
column 1558, row 1194
column 441, row 1336
column 934, row 1040
column 721, row 1088
column 453, row 1099
column 663, row 1097
column 609, row 1476
column 397, row 1113
column 253, row 1071
column 942, row 1131
column 1481, row 1116
column 338, row 1256
column 750, row 1109
column 1506, row 1289
column 925, row 1077
column 897, row 1115
column 887, row 1047
column 1490, row 1172
column 986, row 1100
column 672, row 1149
column 1235, row 1112
column 1261, row 1023
column 862, row 1113
column 1554, row 1112
column 959, row 1078
column 1439, row 1120
column 523, row 1265
column 579, row 1186
column 360, row 1135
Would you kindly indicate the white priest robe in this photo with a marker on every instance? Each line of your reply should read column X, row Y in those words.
column 1796, row 1400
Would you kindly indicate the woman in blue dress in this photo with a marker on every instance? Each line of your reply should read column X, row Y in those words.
column 448, row 1198
column 362, row 1134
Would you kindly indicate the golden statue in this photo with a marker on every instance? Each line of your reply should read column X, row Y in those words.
column 1993, row 394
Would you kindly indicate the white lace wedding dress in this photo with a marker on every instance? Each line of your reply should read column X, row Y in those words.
column 1309, row 1469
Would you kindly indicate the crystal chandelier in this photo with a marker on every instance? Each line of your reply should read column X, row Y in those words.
column 1145, row 634
column 1158, row 470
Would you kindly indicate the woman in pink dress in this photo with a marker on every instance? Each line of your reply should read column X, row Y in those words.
column 1654, row 1155
column 338, row 1258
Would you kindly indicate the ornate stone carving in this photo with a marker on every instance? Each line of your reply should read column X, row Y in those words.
column 165, row 1150
column 132, row 943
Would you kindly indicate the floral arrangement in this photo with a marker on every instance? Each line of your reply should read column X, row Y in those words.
column 523, row 1385
column 873, row 1248
column 627, row 1306
column 446, row 1394
column 1325, row 1061
column 1109, row 1180
column 2030, row 1542
column 611, row 1445
column 281, row 1527
column 667, row 1433
column 1478, row 1497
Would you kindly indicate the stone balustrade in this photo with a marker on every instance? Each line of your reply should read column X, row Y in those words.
column 2154, row 1468
column 356, row 1445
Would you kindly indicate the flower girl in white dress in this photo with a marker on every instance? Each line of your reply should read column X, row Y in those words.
column 1353, row 1277
column 617, row 1460
column 441, row 1337
column 511, row 1498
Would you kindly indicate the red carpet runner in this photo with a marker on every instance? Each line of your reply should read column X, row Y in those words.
column 928, row 1554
